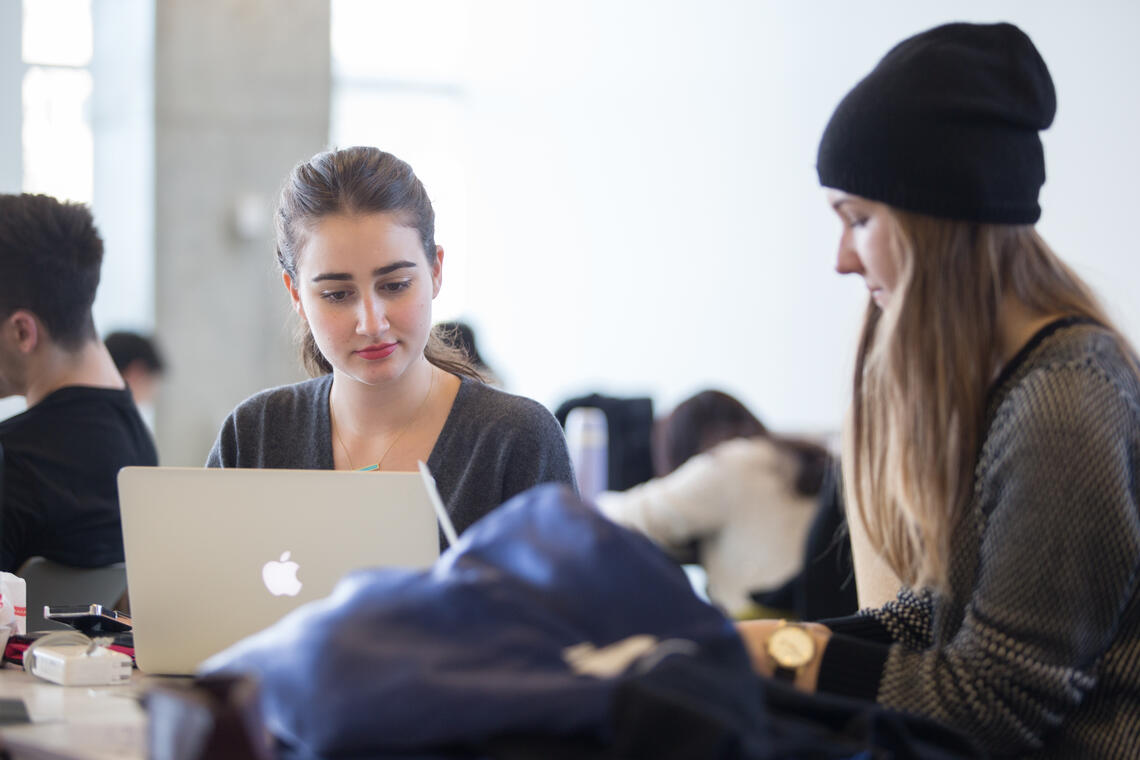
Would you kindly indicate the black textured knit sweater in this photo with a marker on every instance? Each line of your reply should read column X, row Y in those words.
column 1034, row 649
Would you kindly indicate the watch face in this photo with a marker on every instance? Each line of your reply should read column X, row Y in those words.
column 791, row 647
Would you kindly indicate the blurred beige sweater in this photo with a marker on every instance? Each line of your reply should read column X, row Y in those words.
column 738, row 501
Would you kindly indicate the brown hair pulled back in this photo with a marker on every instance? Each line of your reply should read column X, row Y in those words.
column 358, row 180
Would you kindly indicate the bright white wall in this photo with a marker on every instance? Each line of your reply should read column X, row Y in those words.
column 642, row 208
column 122, row 119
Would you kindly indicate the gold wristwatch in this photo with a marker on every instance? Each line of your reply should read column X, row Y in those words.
column 790, row 648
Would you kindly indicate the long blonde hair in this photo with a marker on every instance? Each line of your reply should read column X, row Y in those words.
column 922, row 374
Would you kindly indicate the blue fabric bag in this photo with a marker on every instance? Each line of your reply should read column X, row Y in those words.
column 522, row 627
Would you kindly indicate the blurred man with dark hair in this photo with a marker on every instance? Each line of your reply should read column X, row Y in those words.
column 139, row 362
column 61, row 457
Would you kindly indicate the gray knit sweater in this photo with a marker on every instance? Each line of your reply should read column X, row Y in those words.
column 492, row 446
column 1035, row 647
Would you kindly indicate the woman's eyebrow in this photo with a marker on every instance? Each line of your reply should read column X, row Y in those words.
column 378, row 272
column 392, row 268
column 332, row 276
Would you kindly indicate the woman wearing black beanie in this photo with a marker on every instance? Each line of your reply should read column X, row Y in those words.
column 992, row 456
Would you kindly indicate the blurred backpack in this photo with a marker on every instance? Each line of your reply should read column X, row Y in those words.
column 630, row 423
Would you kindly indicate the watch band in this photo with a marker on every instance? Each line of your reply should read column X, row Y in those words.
column 787, row 675
column 790, row 648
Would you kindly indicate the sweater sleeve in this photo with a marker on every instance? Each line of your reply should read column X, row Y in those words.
column 857, row 653
column 538, row 454
column 1057, row 562
column 908, row 618
column 224, row 451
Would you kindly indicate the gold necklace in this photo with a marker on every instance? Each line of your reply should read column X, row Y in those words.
column 404, row 429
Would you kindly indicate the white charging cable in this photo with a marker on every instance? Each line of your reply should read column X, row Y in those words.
column 437, row 505
column 70, row 658
column 58, row 638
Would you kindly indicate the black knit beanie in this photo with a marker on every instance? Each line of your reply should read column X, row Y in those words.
column 947, row 125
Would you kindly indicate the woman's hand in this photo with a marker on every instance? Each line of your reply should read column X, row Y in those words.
column 756, row 634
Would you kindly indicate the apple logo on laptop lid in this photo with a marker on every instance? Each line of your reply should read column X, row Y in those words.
column 280, row 576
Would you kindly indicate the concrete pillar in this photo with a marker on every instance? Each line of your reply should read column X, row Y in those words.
column 241, row 94
column 122, row 120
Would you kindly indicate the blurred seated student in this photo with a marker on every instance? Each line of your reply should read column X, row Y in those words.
column 139, row 362
column 743, row 495
column 461, row 335
column 59, row 496
column 356, row 246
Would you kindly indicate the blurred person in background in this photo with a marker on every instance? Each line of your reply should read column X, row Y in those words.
column 139, row 362
column 737, row 498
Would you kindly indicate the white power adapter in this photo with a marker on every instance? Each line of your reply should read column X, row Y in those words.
column 80, row 664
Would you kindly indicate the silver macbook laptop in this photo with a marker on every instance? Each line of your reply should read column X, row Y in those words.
column 214, row 555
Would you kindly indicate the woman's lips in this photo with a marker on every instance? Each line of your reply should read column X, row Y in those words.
column 377, row 352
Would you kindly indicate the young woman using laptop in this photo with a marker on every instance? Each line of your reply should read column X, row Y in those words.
column 993, row 453
column 356, row 246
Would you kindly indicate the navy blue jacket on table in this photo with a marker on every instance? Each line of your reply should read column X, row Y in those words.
column 546, row 627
